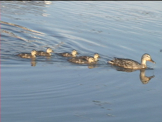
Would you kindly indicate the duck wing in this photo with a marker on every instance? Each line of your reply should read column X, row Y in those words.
column 40, row 53
column 24, row 55
column 78, row 60
column 126, row 63
column 65, row 54
column 84, row 57
column 74, row 60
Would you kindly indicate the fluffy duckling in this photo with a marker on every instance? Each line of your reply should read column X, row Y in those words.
column 28, row 55
column 128, row 63
column 47, row 53
column 96, row 56
column 73, row 54
column 81, row 61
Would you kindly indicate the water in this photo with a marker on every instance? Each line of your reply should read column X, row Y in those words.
column 52, row 89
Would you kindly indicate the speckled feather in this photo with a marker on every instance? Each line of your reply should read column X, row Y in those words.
column 26, row 55
column 126, row 63
column 41, row 53
column 66, row 54
column 79, row 61
column 84, row 57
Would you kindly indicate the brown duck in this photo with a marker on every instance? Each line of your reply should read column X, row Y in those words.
column 72, row 54
column 81, row 61
column 95, row 57
column 131, row 64
column 47, row 53
column 28, row 55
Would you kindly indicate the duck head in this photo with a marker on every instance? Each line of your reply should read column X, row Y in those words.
column 74, row 52
column 96, row 56
column 147, row 57
column 90, row 60
column 49, row 50
column 33, row 52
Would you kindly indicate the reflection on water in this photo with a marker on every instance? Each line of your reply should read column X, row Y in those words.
column 144, row 79
column 91, row 66
column 33, row 63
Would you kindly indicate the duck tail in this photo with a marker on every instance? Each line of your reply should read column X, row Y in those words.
column 111, row 62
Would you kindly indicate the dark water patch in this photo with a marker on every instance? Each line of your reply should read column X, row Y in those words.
column 24, row 28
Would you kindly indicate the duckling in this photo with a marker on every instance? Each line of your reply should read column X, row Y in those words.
column 128, row 63
column 73, row 54
column 27, row 55
column 81, row 61
column 96, row 56
column 47, row 53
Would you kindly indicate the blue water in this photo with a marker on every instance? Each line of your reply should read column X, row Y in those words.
column 53, row 89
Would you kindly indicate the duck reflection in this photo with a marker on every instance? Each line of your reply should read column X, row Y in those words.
column 48, row 58
column 91, row 66
column 33, row 63
column 144, row 79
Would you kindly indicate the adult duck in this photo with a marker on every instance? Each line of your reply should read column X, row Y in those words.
column 131, row 64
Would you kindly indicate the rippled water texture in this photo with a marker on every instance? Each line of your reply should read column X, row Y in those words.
column 53, row 89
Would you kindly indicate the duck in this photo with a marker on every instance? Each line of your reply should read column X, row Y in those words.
column 28, row 55
column 47, row 53
column 73, row 54
column 95, row 57
column 131, row 64
column 81, row 61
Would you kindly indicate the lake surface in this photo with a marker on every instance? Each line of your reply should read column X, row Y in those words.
column 53, row 89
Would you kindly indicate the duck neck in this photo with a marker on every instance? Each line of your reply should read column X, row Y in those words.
column 34, row 55
column 74, row 55
column 89, row 61
column 142, row 74
column 143, row 78
column 143, row 63
column 95, row 59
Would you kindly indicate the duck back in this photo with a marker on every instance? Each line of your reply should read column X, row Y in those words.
column 126, row 63
column 41, row 53
column 78, row 61
column 65, row 54
column 25, row 55
column 84, row 57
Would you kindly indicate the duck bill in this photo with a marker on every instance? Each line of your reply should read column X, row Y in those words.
column 152, row 61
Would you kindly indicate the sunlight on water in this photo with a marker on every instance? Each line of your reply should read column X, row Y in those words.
column 54, row 89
